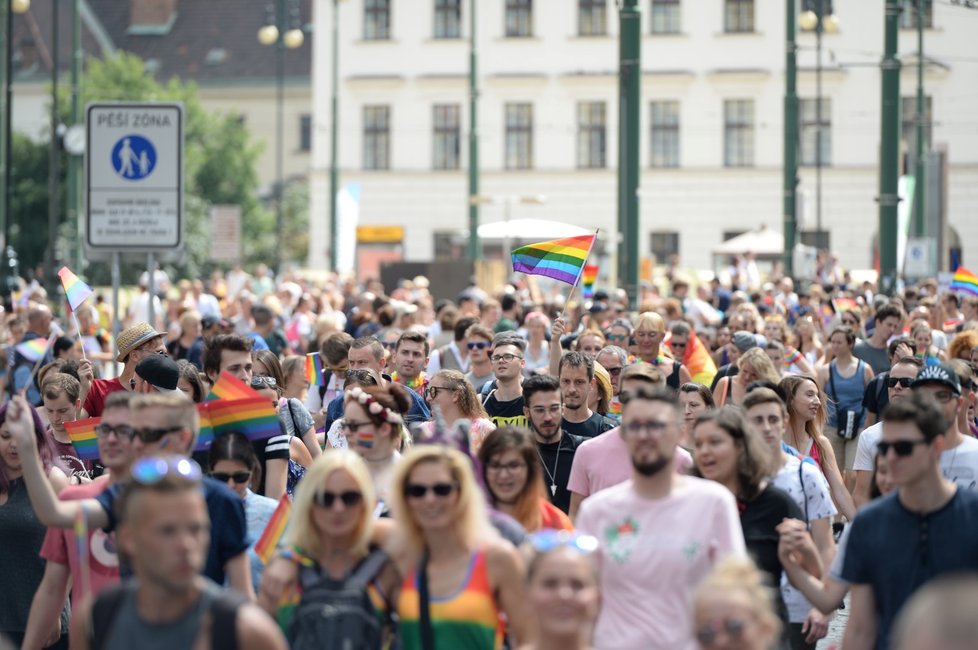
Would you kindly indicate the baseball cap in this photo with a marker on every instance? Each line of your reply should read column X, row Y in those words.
column 940, row 373
column 161, row 372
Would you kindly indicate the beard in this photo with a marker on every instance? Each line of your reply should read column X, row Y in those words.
column 651, row 468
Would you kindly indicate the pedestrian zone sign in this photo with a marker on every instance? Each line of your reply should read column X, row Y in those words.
column 134, row 176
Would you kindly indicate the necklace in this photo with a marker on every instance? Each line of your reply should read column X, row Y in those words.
column 552, row 475
column 414, row 384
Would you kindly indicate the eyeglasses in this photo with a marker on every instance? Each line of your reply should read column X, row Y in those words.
column 509, row 468
column 548, row 540
column 325, row 499
column 150, row 435
column 732, row 627
column 263, row 381
column 339, row 370
column 389, row 345
column 418, row 491
column 508, row 358
column 353, row 426
column 553, row 409
column 478, row 345
column 432, row 391
column 122, row 431
column 614, row 372
column 903, row 382
column 900, row 447
column 153, row 469
column 237, row 477
column 652, row 427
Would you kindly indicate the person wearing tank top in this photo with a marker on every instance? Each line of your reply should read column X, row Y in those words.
column 844, row 381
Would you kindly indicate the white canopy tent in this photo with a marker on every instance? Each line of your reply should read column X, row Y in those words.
column 530, row 229
column 762, row 242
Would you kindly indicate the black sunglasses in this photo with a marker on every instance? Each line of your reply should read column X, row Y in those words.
column 325, row 499
column 478, row 346
column 150, row 435
column 121, row 431
column 238, row 477
column 900, row 447
column 418, row 491
column 892, row 382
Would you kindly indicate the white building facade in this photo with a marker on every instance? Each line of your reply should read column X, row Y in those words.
column 711, row 135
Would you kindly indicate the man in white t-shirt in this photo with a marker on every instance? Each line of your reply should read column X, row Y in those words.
column 898, row 382
column 661, row 533
column 959, row 460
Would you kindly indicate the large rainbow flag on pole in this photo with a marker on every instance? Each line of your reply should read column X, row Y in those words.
column 274, row 529
column 560, row 259
column 965, row 280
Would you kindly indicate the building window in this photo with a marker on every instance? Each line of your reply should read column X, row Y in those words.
column 376, row 20
column 519, row 136
column 448, row 18
column 665, row 16
column 908, row 14
column 305, row 132
column 738, row 132
column 376, row 137
column 591, row 135
column 665, row 134
column 738, row 16
column 448, row 246
column 908, row 126
column 812, row 5
column 664, row 245
column 592, row 17
column 519, row 18
column 816, row 238
column 808, row 122
column 447, row 136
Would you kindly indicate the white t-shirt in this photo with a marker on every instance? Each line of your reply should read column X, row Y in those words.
column 869, row 439
column 805, row 487
column 960, row 464
column 653, row 554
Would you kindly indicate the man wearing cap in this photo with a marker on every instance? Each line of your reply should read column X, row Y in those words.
column 155, row 374
column 959, row 460
column 740, row 342
column 135, row 344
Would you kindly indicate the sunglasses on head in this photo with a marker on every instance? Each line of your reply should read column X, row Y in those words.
column 477, row 345
column 325, row 499
column 893, row 382
column 418, row 491
column 237, row 477
column 549, row 540
column 900, row 447
column 262, row 381
column 732, row 627
column 153, row 469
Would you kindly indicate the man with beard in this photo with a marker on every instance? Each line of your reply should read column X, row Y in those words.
column 661, row 533
column 576, row 374
column 555, row 446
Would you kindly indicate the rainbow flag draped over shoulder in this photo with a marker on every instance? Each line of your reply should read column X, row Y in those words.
column 75, row 290
column 253, row 417
column 228, row 386
column 965, row 280
column 274, row 529
column 588, row 280
column 83, row 437
column 314, row 369
column 698, row 361
column 560, row 259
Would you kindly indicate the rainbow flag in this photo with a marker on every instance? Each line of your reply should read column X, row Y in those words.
column 228, row 386
column 33, row 350
column 254, row 417
column 965, row 280
column 840, row 305
column 83, row 437
column 588, row 279
column 75, row 290
column 560, row 259
column 698, row 361
column 314, row 369
column 274, row 529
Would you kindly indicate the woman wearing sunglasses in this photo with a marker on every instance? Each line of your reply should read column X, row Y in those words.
column 328, row 541
column 449, row 391
column 232, row 461
column 562, row 589
column 537, row 347
column 286, row 446
column 373, row 423
column 512, row 475
column 733, row 608
column 460, row 578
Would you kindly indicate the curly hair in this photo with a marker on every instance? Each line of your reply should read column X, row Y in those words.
column 466, row 397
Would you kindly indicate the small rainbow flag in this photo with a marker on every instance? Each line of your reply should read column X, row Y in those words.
column 588, row 280
column 254, row 417
column 274, row 529
column 314, row 369
column 83, row 437
column 560, row 259
column 965, row 280
column 840, row 305
column 75, row 290
column 33, row 350
column 228, row 386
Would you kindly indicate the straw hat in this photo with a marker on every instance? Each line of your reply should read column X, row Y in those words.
column 132, row 337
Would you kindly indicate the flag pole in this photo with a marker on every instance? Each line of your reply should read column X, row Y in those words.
column 580, row 274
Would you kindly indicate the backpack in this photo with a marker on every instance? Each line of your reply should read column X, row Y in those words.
column 337, row 613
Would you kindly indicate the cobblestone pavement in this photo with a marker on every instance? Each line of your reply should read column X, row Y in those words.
column 834, row 638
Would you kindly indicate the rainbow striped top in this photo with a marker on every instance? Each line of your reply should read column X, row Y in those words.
column 468, row 619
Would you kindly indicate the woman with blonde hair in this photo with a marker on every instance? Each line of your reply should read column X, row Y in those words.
column 734, row 605
column 808, row 340
column 590, row 342
column 753, row 365
column 599, row 400
column 792, row 361
column 294, row 376
column 460, row 578
column 330, row 529
column 457, row 399
column 650, row 330
column 537, row 347
column 513, row 477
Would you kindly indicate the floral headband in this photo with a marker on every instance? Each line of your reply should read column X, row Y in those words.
column 373, row 407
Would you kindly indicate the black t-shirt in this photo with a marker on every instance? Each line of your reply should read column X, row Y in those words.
column 505, row 414
column 759, row 519
column 728, row 370
column 589, row 428
column 557, row 467
column 876, row 396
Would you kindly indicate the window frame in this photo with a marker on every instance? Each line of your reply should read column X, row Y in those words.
column 376, row 137
column 739, row 16
column 665, row 133
column 592, row 134
column 590, row 12
column 518, row 136
column 518, row 19
column 447, row 19
column 376, row 20
column 446, row 137
column 807, row 124
column 739, row 132
column 671, row 11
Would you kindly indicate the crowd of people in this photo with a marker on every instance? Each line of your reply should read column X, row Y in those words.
column 721, row 468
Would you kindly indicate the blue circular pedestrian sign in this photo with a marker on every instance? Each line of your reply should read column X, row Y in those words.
column 133, row 157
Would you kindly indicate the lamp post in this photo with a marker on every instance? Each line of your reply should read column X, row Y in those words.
column 274, row 33
column 475, row 253
column 920, row 166
column 790, row 175
column 334, row 228
column 816, row 20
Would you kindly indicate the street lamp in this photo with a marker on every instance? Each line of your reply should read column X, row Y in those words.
column 507, row 201
column 274, row 32
column 816, row 20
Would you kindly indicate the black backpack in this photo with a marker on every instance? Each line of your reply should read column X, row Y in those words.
column 338, row 613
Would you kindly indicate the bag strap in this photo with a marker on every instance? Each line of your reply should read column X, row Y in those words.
column 804, row 494
column 723, row 393
column 224, row 616
column 424, row 602
column 104, row 610
column 295, row 425
column 368, row 569
column 832, row 381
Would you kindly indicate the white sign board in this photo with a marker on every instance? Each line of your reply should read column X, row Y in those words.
column 226, row 233
column 134, row 176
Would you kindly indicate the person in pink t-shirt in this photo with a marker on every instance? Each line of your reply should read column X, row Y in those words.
column 660, row 533
column 60, row 547
column 602, row 462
